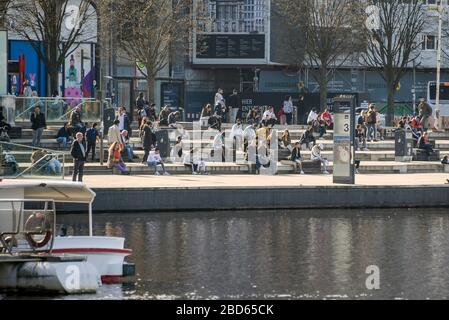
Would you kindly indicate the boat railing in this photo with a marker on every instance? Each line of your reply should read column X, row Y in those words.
column 27, row 225
column 22, row 161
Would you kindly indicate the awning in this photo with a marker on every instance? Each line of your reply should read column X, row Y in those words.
column 58, row 191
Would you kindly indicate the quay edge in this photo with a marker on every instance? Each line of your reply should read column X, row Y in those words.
column 172, row 199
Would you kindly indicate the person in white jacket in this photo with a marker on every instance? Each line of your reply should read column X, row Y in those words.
column 155, row 160
column 237, row 134
column 114, row 133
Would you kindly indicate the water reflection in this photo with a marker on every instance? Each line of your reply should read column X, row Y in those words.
column 291, row 254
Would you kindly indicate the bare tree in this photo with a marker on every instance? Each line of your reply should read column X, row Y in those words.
column 393, row 44
column 148, row 31
column 54, row 28
column 332, row 32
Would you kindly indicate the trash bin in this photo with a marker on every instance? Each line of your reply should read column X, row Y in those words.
column 403, row 145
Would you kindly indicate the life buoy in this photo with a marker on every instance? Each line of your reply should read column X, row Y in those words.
column 48, row 231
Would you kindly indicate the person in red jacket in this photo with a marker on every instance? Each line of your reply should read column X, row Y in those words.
column 327, row 118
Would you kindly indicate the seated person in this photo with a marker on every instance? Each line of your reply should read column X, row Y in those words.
column 194, row 161
column 173, row 118
column 176, row 152
column 126, row 146
column 46, row 162
column 269, row 117
column 296, row 157
column 163, row 116
column 445, row 160
column 237, row 134
column 423, row 144
column 63, row 136
column 115, row 158
column 307, row 138
column 248, row 135
column 316, row 156
column 4, row 126
column 360, row 138
column 155, row 160
column 285, row 141
column 327, row 118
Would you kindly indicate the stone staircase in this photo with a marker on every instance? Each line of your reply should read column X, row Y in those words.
column 379, row 158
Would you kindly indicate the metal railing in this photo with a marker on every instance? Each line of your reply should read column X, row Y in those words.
column 55, row 109
column 13, row 156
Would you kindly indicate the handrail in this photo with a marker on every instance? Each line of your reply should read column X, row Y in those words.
column 49, row 152
column 33, row 148
column 77, row 106
column 28, row 109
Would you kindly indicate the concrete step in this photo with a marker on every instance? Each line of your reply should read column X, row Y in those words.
column 226, row 168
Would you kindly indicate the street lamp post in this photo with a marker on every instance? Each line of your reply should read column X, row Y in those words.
column 440, row 28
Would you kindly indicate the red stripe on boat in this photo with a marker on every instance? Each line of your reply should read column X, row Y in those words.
column 90, row 250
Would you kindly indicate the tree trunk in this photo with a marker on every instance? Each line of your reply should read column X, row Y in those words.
column 390, row 105
column 53, row 82
column 323, row 89
column 150, row 91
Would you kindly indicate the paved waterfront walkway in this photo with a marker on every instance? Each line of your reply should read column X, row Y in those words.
column 229, row 181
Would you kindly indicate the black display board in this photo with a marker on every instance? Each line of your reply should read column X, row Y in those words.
column 233, row 46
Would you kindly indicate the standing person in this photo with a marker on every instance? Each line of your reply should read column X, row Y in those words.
column 75, row 121
column 234, row 106
column 114, row 133
column 92, row 136
column 141, row 103
column 371, row 120
column 148, row 139
column 38, row 124
column 63, row 136
column 288, row 110
column 220, row 105
column 123, row 118
column 78, row 153
column 425, row 111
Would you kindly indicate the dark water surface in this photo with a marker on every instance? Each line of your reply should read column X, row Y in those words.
column 307, row 254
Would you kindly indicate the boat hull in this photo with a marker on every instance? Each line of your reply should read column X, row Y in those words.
column 106, row 254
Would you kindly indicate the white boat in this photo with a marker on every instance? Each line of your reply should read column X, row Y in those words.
column 27, row 203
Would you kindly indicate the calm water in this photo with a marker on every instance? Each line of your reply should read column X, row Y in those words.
column 280, row 255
